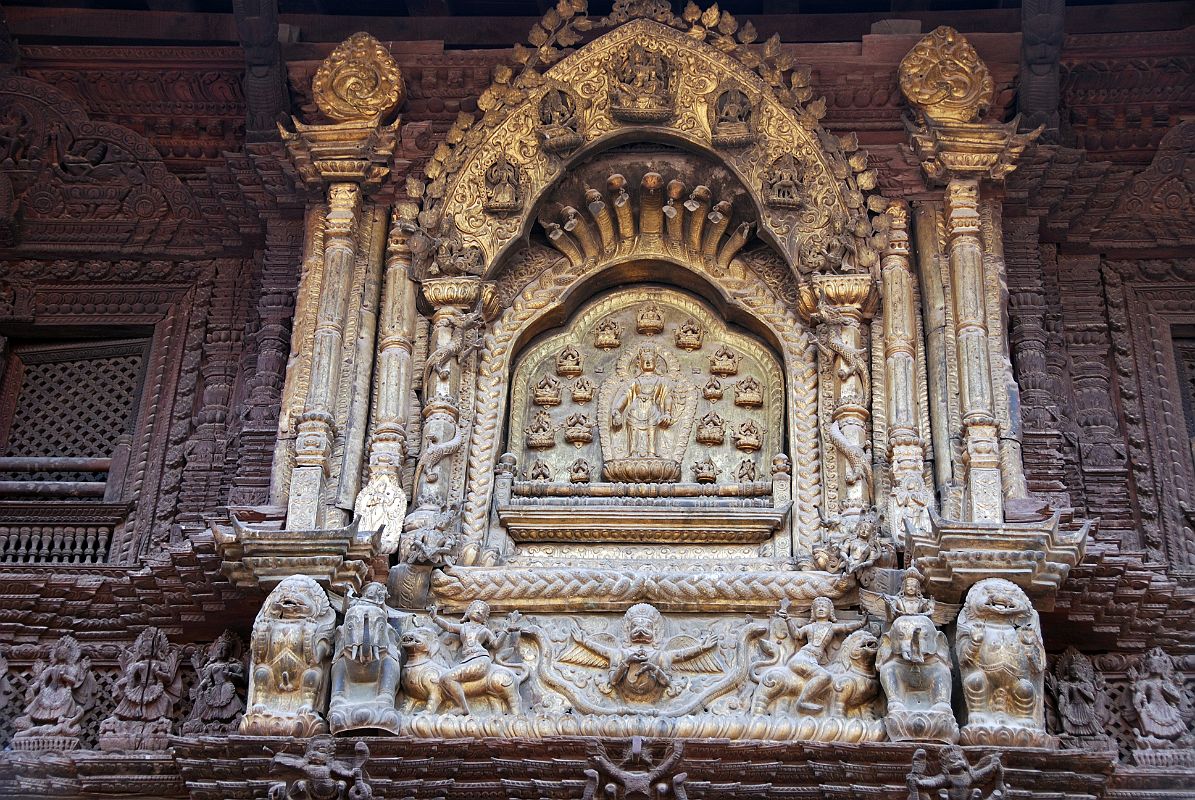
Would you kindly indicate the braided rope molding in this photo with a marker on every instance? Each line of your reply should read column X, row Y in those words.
column 744, row 288
column 616, row 589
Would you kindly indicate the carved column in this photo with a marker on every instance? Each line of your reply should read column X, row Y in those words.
column 909, row 498
column 956, row 149
column 839, row 305
column 456, row 317
column 382, row 503
column 344, row 159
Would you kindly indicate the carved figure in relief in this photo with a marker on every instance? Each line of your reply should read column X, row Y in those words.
column 365, row 665
column 711, row 429
column 848, row 360
column 649, row 320
column 290, row 646
column 806, row 675
column 1002, row 662
column 568, row 362
column 712, row 390
column 607, row 335
column 503, row 192
column 580, row 471
column 956, row 779
column 558, row 122
column 431, row 540
column 746, row 472
column 914, row 662
column 547, row 391
column 56, row 700
column 578, row 429
column 724, row 361
column 647, row 415
column 706, row 471
column 637, row 776
column 216, row 704
column 748, row 393
column 642, row 86
column 1157, row 698
column 748, row 437
column 541, row 433
column 733, row 113
column 149, row 686
column 475, row 673
column 1080, row 694
column 856, row 457
column 782, row 183
column 689, row 335
column 583, row 390
column 641, row 668
column 539, row 471
column 319, row 775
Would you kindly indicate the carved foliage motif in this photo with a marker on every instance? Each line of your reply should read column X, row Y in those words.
column 944, row 79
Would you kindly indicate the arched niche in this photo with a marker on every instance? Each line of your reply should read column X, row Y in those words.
column 485, row 189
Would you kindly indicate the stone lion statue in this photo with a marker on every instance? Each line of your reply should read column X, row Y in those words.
column 1002, row 662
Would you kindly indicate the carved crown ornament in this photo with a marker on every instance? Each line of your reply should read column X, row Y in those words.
column 357, row 85
column 649, row 70
column 950, row 89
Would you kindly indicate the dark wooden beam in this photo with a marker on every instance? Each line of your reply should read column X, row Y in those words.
column 63, row 25
column 1039, row 89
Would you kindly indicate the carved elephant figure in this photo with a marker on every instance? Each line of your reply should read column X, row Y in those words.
column 914, row 665
column 422, row 676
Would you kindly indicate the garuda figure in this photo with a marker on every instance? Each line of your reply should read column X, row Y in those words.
column 956, row 779
column 216, row 704
column 365, row 667
column 1002, row 661
column 642, row 667
column 149, row 686
column 638, row 777
column 319, row 775
column 292, row 640
column 56, row 701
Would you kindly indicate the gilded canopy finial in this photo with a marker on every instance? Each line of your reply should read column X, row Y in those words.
column 359, row 81
column 944, row 80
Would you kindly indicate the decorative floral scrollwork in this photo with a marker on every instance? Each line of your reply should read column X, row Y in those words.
column 944, row 80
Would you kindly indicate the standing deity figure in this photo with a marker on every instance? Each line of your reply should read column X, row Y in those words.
column 807, row 673
column 365, row 665
column 1158, row 699
column 290, row 646
column 319, row 775
column 1002, row 662
column 475, row 673
column 914, row 662
column 1081, row 700
column 643, row 417
column 956, row 779
column 216, row 704
column 57, row 699
column 149, row 686
column 643, row 409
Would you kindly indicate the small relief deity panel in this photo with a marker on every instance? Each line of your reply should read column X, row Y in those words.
column 558, row 121
column 642, row 86
column 782, row 184
column 631, row 409
column 503, row 190
column 706, row 471
column 732, row 119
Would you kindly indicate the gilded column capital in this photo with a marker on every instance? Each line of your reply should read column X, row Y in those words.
column 460, row 292
column 358, row 85
column 853, row 294
column 949, row 89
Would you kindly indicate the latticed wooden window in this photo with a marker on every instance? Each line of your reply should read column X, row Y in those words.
column 64, row 407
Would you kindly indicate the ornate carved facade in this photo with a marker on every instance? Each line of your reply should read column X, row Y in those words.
column 626, row 431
